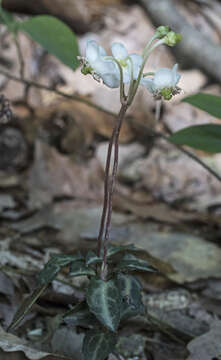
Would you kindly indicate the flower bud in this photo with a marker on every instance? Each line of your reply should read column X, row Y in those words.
column 162, row 31
column 172, row 38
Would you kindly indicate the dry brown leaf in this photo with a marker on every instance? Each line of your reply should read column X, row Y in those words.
column 55, row 175
column 90, row 120
column 12, row 344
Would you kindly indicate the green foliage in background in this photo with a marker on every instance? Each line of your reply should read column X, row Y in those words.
column 205, row 137
column 51, row 33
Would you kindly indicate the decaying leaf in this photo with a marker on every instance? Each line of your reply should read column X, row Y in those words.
column 207, row 346
column 12, row 344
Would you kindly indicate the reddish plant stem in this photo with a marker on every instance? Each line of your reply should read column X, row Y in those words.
column 112, row 181
column 105, row 203
column 109, row 183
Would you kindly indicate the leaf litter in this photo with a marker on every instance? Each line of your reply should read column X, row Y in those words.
column 54, row 206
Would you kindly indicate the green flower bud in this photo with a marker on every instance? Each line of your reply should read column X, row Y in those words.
column 162, row 31
column 172, row 38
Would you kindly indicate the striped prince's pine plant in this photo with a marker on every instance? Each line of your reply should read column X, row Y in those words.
column 112, row 294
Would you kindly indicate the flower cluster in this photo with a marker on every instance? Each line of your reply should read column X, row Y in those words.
column 101, row 66
column 123, row 68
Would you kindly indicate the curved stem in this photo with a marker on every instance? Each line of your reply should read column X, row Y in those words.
column 154, row 37
column 146, row 54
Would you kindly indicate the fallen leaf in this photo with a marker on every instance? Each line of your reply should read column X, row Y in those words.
column 12, row 344
column 207, row 346
column 191, row 256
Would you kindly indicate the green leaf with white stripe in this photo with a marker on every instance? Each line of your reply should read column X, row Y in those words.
column 132, row 263
column 80, row 315
column 92, row 258
column 48, row 273
column 64, row 260
column 78, row 268
column 54, row 265
column 26, row 306
column 114, row 249
column 104, row 301
column 97, row 345
column 130, row 289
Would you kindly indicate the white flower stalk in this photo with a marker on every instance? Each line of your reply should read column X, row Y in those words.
column 164, row 83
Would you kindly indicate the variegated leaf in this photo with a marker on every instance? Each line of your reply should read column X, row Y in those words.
column 130, row 289
column 132, row 263
column 78, row 268
column 114, row 249
column 92, row 258
column 104, row 301
column 98, row 345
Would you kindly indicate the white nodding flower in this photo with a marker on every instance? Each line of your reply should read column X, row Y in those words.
column 96, row 64
column 120, row 53
column 101, row 66
column 164, row 83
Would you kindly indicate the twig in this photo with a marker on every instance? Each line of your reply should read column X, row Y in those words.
column 190, row 155
column 58, row 92
column 20, row 58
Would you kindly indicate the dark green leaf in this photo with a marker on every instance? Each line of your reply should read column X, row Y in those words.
column 132, row 263
column 207, row 102
column 114, row 249
column 79, row 307
column 55, row 36
column 64, row 260
column 92, row 258
column 26, row 306
column 203, row 137
column 79, row 315
column 78, row 268
column 104, row 302
column 98, row 345
column 8, row 19
column 81, row 318
column 48, row 273
column 54, row 266
column 130, row 289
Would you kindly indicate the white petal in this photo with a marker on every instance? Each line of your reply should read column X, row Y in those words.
column 92, row 51
column 126, row 75
column 119, row 51
column 176, row 76
column 148, row 83
column 102, row 52
column 137, row 62
column 102, row 66
column 111, row 80
column 163, row 78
